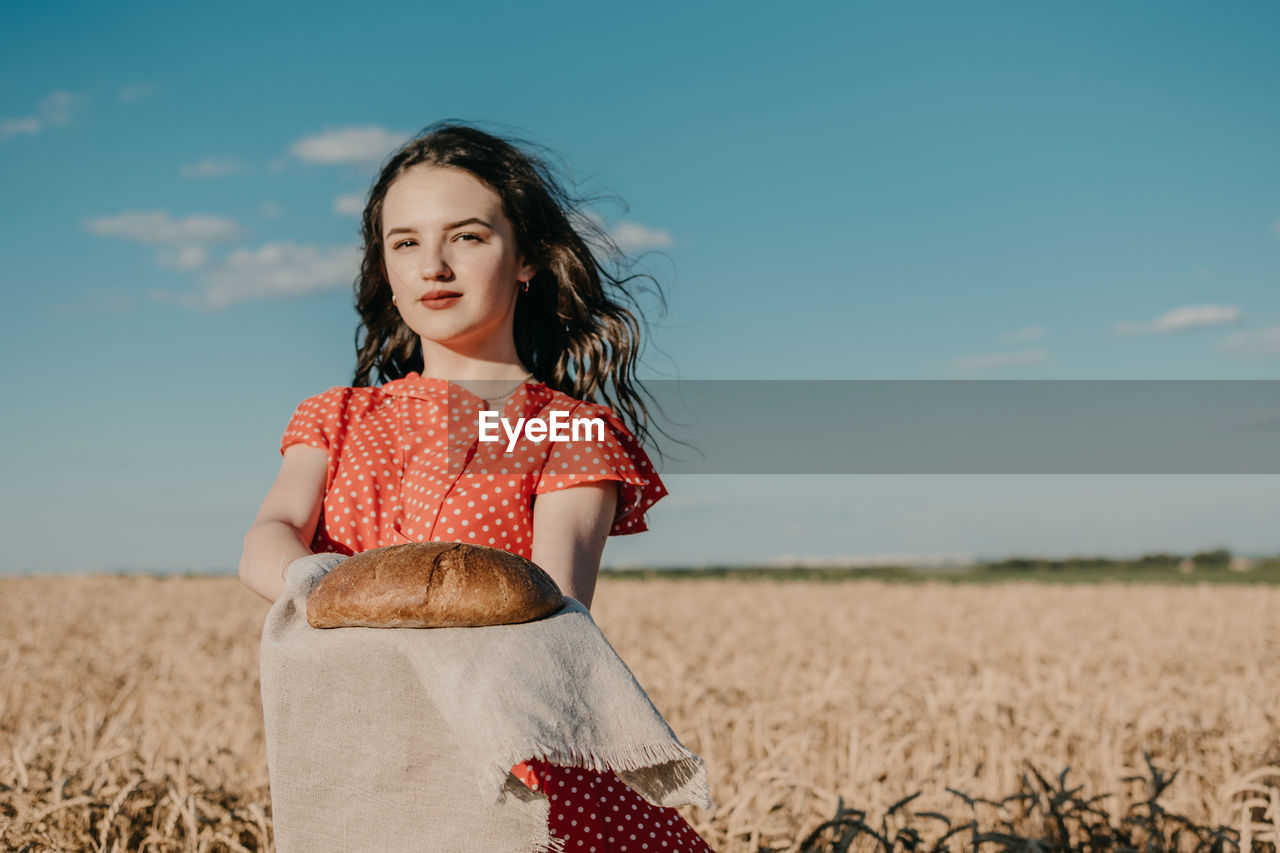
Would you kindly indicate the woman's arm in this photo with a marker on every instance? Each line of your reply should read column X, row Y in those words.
column 569, row 530
column 284, row 526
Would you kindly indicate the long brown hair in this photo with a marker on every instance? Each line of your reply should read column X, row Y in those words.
column 573, row 327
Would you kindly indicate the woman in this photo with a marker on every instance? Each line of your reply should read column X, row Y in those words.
column 475, row 282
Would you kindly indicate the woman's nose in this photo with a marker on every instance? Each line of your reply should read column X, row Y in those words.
column 432, row 265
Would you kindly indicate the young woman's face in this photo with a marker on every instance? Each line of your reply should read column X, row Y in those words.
column 451, row 258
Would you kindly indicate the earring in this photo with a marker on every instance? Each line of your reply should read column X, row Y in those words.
column 524, row 289
column 393, row 301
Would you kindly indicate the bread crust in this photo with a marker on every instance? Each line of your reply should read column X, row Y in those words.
column 432, row 585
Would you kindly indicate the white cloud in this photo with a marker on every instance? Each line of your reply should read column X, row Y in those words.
column 361, row 146
column 159, row 228
column 184, row 257
column 272, row 271
column 591, row 218
column 19, row 127
column 1196, row 315
column 56, row 110
column 182, row 242
column 627, row 236
column 137, row 92
column 351, row 204
column 270, row 210
column 1255, row 343
column 1180, row 319
column 634, row 237
column 211, row 168
column 1027, row 333
column 1001, row 359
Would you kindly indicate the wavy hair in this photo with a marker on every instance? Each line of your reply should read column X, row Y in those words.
column 573, row 327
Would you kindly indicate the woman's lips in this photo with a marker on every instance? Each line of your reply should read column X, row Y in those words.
column 438, row 299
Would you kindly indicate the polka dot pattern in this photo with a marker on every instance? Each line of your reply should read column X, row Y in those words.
column 600, row 812
column 406, row 465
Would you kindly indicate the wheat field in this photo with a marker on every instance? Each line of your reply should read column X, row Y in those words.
column 130, row 717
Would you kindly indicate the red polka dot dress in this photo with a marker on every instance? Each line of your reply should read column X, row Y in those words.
column 406, row 464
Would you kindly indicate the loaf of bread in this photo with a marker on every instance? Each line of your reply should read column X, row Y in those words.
column 432, row 585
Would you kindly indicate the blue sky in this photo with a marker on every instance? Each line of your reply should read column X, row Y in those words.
column 841, row 191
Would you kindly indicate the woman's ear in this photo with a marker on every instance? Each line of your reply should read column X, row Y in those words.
column 527, row 270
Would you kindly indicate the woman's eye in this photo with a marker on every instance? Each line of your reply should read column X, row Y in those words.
column 402, row 243
column 475, row 237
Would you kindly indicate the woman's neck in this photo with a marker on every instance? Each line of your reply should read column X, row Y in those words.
column 440, row 362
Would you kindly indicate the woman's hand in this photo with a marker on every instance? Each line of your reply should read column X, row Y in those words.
column 570, row 527
column 325, row 561
column 286, row 522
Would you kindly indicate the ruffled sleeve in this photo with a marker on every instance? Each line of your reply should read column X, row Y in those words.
column 616, row 455
column 318, row 420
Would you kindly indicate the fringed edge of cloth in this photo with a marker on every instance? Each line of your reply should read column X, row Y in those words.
column 553, row 845
column 686, row 768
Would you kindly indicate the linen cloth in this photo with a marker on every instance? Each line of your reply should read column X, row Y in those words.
column 400, row 739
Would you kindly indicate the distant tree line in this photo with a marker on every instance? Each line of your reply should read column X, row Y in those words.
column 1220, row 559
